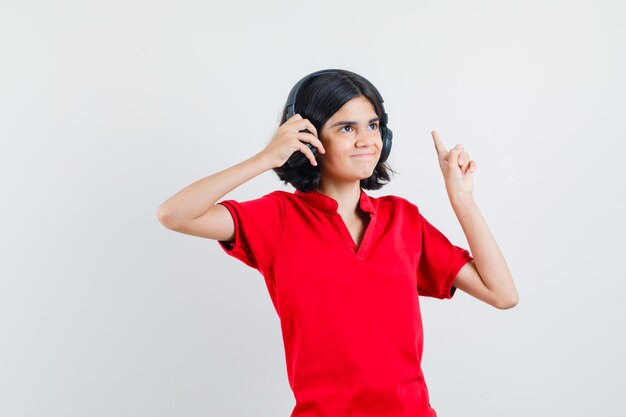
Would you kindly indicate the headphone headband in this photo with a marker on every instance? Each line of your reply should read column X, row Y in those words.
column 293, row 94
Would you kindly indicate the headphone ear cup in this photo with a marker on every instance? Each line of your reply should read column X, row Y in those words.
column 387, row 136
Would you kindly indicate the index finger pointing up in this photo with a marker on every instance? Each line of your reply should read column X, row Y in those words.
column 439, row 146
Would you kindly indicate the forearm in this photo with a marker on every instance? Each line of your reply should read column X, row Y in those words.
column 488, row 258
column 197, row 198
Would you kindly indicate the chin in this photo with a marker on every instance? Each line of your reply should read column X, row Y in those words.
column 366, row 176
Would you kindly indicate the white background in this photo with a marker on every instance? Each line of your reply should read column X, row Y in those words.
column 109, row 108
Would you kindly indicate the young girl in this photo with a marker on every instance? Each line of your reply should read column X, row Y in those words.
column 344, row 269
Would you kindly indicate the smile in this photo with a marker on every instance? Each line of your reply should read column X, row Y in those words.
column 363, row 156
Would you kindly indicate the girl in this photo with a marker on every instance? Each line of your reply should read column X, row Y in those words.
column 344, row 269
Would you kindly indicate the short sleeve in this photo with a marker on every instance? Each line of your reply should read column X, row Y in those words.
column 439, row 262
column 258, row 226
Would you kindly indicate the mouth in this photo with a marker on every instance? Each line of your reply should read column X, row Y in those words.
column 363, row 155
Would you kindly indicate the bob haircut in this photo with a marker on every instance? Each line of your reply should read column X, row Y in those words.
column 318, row 99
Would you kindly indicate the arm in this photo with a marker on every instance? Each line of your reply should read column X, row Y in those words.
column 487, row 277
column 194, row 211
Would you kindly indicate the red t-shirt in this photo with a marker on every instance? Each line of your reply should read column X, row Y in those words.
column 350, row 316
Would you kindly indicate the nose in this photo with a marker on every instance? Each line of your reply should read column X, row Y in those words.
column 367, row 138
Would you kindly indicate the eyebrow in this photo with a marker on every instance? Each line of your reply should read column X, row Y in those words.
column 351, row 122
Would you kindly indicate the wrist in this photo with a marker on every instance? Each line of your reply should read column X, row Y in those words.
column 461, row 199
column 263, row 159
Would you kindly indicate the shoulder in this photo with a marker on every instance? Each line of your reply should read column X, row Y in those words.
column 395, row 203
column 269, row 203
column 280, row 194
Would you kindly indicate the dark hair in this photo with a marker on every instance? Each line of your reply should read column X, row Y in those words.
column 318, row 99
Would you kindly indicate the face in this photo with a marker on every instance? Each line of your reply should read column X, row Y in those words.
column 352, row 141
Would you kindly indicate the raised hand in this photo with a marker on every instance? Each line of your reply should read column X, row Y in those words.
column 456, row 167
column 290, row 137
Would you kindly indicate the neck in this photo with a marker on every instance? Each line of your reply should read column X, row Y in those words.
column 347, row 197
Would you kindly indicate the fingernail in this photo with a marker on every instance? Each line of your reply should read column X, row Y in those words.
column 461, row 161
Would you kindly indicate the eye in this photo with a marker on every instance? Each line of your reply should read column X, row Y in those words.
column 348, row 126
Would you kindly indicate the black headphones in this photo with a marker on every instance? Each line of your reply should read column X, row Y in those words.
column 298, row 158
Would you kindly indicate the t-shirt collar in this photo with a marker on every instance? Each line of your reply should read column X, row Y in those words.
column 325, row 203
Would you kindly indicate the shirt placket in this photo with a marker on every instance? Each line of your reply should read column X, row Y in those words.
column 363, row 249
